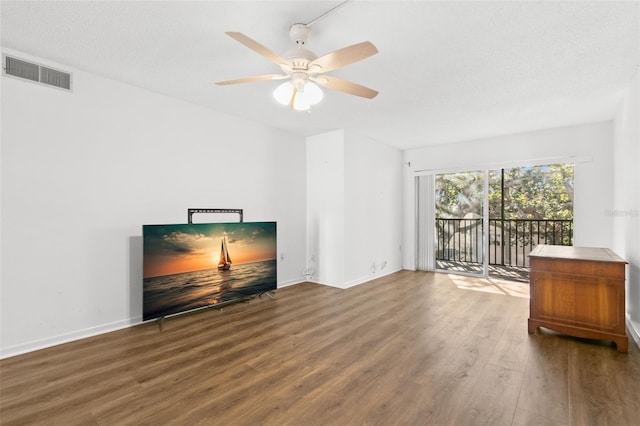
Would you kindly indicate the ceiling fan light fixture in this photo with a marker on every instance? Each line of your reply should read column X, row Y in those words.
column 308, row 94
column 300, row 102
column 283, row 93
column 313, row 93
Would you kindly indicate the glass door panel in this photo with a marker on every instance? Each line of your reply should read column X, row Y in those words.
column 459, row 222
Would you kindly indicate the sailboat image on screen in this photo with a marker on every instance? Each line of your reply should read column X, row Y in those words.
column 225, row 261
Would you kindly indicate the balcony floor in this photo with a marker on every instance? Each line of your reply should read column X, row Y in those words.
column 511, row 273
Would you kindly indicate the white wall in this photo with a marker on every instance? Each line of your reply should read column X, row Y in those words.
column 625, row 210
column 354, row 202
column 590, row 145
column 82, row 171
column 373, row 209
column 325, row 207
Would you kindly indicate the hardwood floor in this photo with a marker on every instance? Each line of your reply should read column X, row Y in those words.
column 412, row 348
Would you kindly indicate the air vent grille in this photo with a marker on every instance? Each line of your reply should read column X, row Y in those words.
column 38, row 73
column 22, row 69
column 55, row 78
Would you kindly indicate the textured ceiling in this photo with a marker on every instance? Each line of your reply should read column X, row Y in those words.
column 446, row 71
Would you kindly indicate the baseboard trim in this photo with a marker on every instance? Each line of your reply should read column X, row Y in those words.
column 323, row 283
column 60, row 339
column 634, row 331
column 291, row 282
column 369, row 278
column 358, row 281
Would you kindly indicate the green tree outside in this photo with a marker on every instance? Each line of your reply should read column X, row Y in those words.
column 540, row 192
column 537, row 192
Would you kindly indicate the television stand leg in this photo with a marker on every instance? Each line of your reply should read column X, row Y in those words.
column 161, row 322
column 269, row 294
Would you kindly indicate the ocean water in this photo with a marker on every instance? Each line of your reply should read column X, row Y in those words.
column 171, row 294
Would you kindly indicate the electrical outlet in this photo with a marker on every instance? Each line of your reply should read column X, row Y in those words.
column 308, row 273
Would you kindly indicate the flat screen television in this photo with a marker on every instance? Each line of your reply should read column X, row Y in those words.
column 191, row 266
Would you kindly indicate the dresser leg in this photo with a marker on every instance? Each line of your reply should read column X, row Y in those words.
column 622, row 345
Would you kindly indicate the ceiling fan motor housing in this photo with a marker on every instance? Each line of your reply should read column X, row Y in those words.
column 299, row 34
column 299, row 57
column 298, row 79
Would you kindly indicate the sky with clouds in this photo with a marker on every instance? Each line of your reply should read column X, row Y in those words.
column 172, row 249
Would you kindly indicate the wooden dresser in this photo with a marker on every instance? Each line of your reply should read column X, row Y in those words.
column 578, row 291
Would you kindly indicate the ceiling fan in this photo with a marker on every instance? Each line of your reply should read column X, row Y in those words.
column 302, row 68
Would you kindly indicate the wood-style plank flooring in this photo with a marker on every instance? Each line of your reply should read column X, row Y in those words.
column 411, row 348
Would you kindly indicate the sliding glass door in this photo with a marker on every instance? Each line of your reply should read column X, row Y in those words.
column 487, row 222
column 460, row 222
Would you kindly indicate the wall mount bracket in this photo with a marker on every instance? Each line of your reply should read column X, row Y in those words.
column 190, row 212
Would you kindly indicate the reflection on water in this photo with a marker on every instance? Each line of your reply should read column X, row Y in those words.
column 171, row 294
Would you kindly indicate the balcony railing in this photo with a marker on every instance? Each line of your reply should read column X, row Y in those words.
column 510, row 240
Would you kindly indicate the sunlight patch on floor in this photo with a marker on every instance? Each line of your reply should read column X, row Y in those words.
column 492, row 285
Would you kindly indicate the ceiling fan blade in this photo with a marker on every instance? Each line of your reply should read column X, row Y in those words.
column 257, row 47
column 345, row 86
column 345, row 56
column 251, row 79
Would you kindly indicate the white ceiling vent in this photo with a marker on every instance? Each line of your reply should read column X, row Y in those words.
column 35, row 72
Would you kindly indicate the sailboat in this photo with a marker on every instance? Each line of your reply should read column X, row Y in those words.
column 225, row 261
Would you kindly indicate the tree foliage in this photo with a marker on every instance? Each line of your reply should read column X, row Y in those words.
column 458, row 194
column 540, row 192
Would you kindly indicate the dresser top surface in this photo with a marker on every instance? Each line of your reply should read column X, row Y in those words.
column 597, row 254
